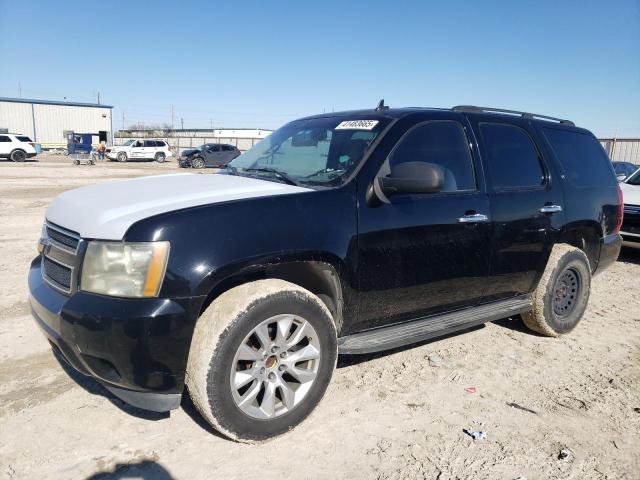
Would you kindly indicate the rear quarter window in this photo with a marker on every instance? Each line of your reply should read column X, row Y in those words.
column 582, row 158
column 23, row 139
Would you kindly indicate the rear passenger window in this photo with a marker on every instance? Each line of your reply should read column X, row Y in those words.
column 583, row 160
column 513, row 158
column 4, row 139
column 150, row 143
column 441, row 143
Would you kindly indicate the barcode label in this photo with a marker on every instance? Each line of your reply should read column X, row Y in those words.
column 357, row 125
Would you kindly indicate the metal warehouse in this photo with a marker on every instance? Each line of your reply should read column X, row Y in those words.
column 49, row 122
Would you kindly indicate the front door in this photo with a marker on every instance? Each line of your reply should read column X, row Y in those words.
column 526, row 205
column 423, row 254
column 137, row 149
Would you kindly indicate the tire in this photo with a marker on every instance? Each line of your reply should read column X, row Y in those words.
column 160, row 157
column 122, row 157
column 562, row 294
column 18, row 156
column 76, row 162
column 225, row 338
column 197, row 162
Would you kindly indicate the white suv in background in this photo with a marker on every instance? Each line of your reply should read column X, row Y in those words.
column 16, row 147
column 157, row 150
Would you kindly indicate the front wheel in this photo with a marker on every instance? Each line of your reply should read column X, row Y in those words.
column 197, row 162
column 562, row 294
column 261, row 359
column 122, row 157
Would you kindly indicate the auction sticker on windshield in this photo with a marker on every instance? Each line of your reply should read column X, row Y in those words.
column 357, row 125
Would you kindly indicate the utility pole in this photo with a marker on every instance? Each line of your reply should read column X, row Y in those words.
column 173, row 115
column 19, row 90
column 211, row 122
column 123, row 126
column 98, row 97
column 182, row 123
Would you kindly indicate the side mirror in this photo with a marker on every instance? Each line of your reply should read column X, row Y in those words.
column 407, row 178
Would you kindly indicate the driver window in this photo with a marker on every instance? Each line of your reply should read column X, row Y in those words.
column 442, row 143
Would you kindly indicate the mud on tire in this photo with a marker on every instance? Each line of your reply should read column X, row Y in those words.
column 226, row 327
column 562, row 294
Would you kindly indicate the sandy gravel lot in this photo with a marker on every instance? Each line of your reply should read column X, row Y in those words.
column 389, row 416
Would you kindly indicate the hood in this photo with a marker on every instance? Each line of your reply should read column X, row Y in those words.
column 107, row 210
column 630, row 193
column 186, row 153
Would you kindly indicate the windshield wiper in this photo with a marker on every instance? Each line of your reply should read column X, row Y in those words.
column 276, row 173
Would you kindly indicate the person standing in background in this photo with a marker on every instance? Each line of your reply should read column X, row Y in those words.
column 102, row 148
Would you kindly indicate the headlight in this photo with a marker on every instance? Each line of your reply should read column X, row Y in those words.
column 124, row 269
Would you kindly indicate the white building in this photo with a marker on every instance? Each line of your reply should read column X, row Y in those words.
column 183, row 139
column 48, row 122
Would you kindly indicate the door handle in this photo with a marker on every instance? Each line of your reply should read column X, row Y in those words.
column 551, row 209
column 473, row 218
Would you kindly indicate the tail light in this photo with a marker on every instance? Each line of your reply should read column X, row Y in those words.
column 620, row 211
column 32, row 144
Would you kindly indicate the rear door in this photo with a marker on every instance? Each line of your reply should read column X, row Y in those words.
column 150, row 148
column 527, row 204
column 423, row 254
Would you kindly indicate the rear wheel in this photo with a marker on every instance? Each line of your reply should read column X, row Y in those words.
column 261, row 359
column 160, row 157
column 18, row 156
column 562, row 294
column 122, row 157
column 197, row 162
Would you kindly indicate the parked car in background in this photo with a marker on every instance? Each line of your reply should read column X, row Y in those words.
column 157, row 150
column 624, row 169
column 16, row 147
column 209, row 155
column 630, row 230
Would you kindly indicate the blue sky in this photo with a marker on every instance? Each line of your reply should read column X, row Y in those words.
column 260, row 64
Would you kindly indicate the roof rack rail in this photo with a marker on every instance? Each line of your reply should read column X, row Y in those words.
column 474, row 109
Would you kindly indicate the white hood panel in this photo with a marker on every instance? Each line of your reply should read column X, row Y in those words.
column 107, row 210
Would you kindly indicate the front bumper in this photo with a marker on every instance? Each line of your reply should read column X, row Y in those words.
column 137, row 348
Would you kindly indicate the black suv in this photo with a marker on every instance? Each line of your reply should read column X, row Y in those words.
column 348, row 232
column 209, row 155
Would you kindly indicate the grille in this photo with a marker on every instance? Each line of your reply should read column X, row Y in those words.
column 68, row 240
column 57, row 273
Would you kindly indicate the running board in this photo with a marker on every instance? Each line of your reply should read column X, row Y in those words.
column 393, row 336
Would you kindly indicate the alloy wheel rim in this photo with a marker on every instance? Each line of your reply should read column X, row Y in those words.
column 565, row 292
column 275, row 367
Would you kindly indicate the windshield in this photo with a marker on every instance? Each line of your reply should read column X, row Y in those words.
column 634, row 179
column 320, row 151
column 128, row 142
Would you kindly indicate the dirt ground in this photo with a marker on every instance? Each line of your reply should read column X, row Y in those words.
column 386, row 416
